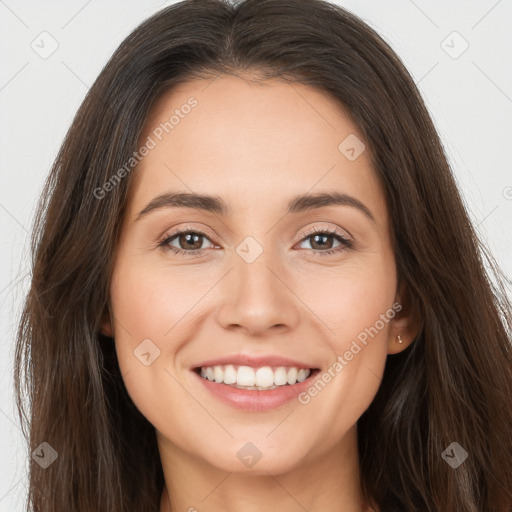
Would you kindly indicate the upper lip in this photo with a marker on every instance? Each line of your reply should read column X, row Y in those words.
column 256, row 361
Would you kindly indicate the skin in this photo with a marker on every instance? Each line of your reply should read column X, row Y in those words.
column 256, row 146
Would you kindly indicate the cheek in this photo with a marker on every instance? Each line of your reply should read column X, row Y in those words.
column 145, row 310
column 151, row 301
column 351, row 299
column 357, row 306
column 154, row 308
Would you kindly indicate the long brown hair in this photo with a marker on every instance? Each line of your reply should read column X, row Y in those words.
column 453, row 384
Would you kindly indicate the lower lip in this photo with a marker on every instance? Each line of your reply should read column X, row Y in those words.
column 256, row 400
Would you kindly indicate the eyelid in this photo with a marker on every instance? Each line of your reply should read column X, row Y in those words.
column 186, row 229
column 321, row 229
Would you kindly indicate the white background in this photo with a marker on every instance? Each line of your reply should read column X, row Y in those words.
column 469, row 97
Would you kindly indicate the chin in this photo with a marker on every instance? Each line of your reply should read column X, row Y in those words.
column 258, row 457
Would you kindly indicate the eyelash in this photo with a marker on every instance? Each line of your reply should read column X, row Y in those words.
column 344, row 241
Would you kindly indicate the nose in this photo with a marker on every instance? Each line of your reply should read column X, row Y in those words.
column 256, row 298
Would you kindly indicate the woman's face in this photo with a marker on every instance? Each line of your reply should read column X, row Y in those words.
column 254, row 295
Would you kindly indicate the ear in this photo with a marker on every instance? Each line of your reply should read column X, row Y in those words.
column 405, row 323
column 106, row 323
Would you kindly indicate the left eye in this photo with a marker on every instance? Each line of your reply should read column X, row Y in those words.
column 320, row 238
column 192, row 241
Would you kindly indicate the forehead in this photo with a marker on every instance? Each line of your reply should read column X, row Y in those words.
column 251, row 142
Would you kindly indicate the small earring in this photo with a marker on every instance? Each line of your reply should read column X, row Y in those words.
column 400, row 340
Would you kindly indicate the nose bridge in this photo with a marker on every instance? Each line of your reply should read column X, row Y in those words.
column 256, row 296
column 255, row 278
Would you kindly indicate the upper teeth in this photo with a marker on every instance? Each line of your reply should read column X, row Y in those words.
column 246, row 376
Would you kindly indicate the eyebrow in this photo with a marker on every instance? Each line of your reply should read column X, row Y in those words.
column 215, row 204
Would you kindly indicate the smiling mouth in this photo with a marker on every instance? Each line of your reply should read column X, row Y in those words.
column 263, row 378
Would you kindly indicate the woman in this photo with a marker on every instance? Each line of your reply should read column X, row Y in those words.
column 255, row 285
